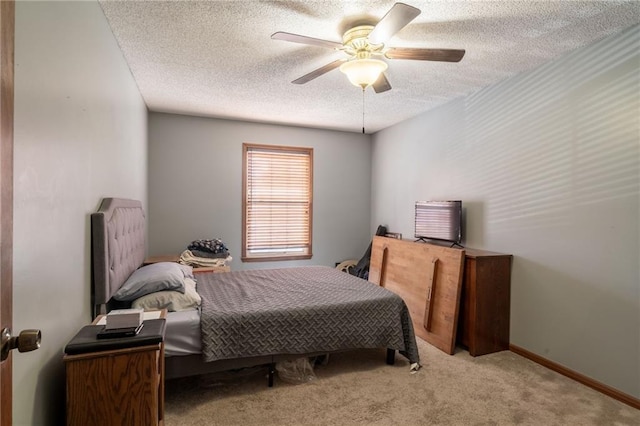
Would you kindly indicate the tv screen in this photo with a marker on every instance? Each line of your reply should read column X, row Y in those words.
column 439, row 220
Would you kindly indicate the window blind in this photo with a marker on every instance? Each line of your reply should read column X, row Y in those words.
column 277, row 202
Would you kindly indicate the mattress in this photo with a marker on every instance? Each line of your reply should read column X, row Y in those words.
column 299, row 310
column 182, row 333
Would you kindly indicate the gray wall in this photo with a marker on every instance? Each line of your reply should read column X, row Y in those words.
column 80, row 135
column 547, row 165
column 195, row 185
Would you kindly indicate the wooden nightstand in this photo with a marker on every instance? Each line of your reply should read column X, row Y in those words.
column 118, row 386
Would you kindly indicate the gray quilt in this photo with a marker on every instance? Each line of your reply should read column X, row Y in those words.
column 299, row 310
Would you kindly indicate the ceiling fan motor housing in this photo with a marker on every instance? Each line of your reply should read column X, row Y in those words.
column 356, row 42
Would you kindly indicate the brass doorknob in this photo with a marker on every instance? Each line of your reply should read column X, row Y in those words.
column 27, row 340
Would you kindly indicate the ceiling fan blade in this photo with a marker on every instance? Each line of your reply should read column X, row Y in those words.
column 296, row 38
column 381, row 84
column 396, row 19
column 317, row 73
column 444, row 55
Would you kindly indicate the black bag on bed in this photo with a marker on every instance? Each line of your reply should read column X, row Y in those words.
column 362, row 267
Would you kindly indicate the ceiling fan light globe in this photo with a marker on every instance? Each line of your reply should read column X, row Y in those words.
column 363, row 72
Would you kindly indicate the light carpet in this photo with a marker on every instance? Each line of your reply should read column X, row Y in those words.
column 358, row 388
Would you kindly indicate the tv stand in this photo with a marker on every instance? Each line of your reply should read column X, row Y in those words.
column 480, row 323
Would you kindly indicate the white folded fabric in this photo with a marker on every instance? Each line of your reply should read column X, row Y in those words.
column 187, row 258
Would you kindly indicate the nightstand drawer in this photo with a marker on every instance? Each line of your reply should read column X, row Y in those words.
column 114, row 387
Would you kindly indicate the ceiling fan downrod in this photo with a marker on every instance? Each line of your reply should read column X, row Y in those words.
column 363, row 110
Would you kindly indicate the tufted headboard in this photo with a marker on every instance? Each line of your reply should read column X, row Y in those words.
column 118, row 247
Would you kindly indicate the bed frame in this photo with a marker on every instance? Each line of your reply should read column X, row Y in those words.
column 119, row 248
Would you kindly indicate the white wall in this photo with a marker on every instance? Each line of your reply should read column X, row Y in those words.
column 547, row 164
column 80, row 135
column 195, row 185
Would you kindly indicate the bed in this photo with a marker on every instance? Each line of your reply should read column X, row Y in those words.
column 254, row 317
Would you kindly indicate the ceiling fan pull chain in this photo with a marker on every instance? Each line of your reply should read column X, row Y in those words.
column 363, row 110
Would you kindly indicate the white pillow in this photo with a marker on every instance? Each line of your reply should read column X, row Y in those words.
column 173, row 301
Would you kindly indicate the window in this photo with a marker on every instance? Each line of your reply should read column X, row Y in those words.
column 277, row 202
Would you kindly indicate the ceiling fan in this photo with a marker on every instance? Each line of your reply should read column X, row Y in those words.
column 364, row 44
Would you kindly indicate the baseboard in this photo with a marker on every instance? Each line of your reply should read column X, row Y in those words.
column 581, row 378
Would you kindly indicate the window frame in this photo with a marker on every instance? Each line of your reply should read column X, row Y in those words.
column 279, row 256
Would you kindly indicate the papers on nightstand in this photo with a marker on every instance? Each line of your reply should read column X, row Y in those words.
column 124, row 318
column 112, row 333
column 147, row 315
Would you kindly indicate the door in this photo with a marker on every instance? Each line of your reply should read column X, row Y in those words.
column 7, row 27
column 28, row 340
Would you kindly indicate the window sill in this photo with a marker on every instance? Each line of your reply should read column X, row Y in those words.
column 275, row 258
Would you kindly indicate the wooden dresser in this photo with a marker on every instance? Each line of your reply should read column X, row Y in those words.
column 454, row 300
column 116, row 387
column 483, row 320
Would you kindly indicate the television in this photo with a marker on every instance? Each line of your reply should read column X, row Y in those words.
column 439, row 220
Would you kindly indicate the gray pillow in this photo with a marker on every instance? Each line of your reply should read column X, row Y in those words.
column 151, row 278
column 187, row 270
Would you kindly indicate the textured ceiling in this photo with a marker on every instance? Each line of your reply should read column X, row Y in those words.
column 216, row 58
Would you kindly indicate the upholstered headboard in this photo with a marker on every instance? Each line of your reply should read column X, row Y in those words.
column 118, row 247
